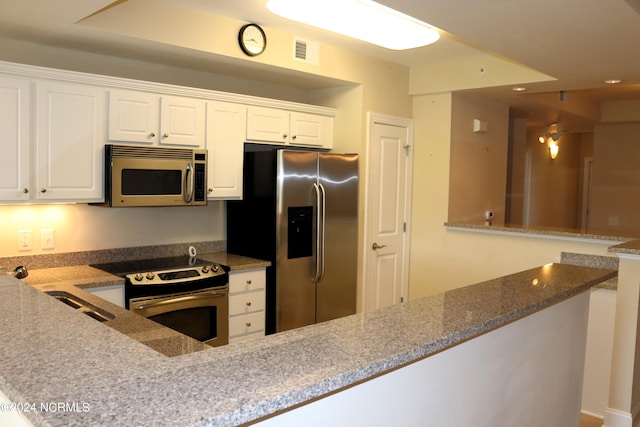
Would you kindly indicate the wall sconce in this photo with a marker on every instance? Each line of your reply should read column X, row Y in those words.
column 552, row 134
column 553, row 149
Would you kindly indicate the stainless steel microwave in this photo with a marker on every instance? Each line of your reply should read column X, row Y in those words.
column 155, row 176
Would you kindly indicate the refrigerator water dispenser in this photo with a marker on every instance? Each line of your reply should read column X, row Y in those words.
column 300, row 233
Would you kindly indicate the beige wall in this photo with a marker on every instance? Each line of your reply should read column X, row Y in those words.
column 555, row 182
column 514, row 204
column 445, row 258
column 478, row 160
column 615, row 190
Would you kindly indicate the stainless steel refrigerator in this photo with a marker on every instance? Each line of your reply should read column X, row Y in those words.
column 300, row 211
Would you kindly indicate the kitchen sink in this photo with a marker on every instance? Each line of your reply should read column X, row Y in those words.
column 81, row 305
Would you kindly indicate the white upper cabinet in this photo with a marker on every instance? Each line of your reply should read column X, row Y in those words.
column 154, row 119
column 70, row 135
column 226, row 124
column 15, row 145
column 134, row 116
column 182, row 121
column 55, row 123
column 311, row 129
column 268, row 125
column 288, row 127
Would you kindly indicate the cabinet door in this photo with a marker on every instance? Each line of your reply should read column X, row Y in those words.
column 267, row 124
column 113, row 294
column 69, row 142
column 182, row 121
column 226, row 124
column 311, row 129
column 14, row 148
column 134, row 116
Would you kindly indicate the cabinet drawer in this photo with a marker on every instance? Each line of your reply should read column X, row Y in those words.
column 247, row 281
column 248, row 337
column 247, row 302
column 246, row 324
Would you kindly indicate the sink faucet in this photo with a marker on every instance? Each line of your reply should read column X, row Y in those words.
column 20, row 272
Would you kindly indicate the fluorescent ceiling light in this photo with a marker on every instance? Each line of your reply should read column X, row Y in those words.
column 360, row 19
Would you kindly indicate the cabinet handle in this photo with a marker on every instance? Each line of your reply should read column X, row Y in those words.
column 284, row 136
column 248, row 303
column 25, row 191
column 293, row 137
column 248, row 324
column 166, row 135
column 248, row 282
column 43, row 190
column 210, row 190
column 152, row 135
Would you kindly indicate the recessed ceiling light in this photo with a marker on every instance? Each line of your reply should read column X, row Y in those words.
column 518, row 89
column 364, row 20
column 613, row 81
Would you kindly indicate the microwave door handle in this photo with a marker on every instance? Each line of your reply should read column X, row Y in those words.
column 188, row 179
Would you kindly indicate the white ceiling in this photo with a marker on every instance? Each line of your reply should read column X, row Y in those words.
column 579, row 42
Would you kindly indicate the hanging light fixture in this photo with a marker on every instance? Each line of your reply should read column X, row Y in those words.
column 364, row 20
column 553, row 149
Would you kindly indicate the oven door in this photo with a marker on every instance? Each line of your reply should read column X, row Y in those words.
column 203, row 315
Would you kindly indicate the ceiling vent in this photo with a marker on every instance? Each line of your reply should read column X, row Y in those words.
column 306, row 51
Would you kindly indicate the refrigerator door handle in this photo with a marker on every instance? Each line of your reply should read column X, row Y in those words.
column 320, row 193
column 324, row 196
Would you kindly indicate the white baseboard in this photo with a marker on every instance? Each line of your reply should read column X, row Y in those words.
column 617, row 418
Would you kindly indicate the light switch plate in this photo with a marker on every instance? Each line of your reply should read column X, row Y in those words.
column 46, row 238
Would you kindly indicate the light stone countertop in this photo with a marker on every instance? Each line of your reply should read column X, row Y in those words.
column 50, row 353
column 544, row 231
column 629, row 248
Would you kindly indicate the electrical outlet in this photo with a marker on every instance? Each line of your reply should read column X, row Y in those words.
column 46, row 238
column 24, row 240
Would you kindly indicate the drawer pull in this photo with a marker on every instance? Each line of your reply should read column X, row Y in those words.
column 248, row 324
column 248, row 282
column 248, row 303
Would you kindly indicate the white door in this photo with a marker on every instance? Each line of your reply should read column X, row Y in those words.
column 388, row 197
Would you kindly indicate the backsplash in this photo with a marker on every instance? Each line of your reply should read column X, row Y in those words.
column 106, row 255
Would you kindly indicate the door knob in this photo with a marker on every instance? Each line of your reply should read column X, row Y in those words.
column 376, row 246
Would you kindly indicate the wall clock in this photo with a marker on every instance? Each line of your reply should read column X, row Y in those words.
column 252, row 39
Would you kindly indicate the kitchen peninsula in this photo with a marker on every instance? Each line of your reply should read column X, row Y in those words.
column 53, row 354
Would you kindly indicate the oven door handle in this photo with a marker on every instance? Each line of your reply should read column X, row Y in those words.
column 178, row 300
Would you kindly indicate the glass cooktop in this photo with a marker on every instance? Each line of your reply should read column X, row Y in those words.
column 121, row 268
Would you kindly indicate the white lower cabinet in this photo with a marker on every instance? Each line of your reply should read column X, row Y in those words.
column 246, row 305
